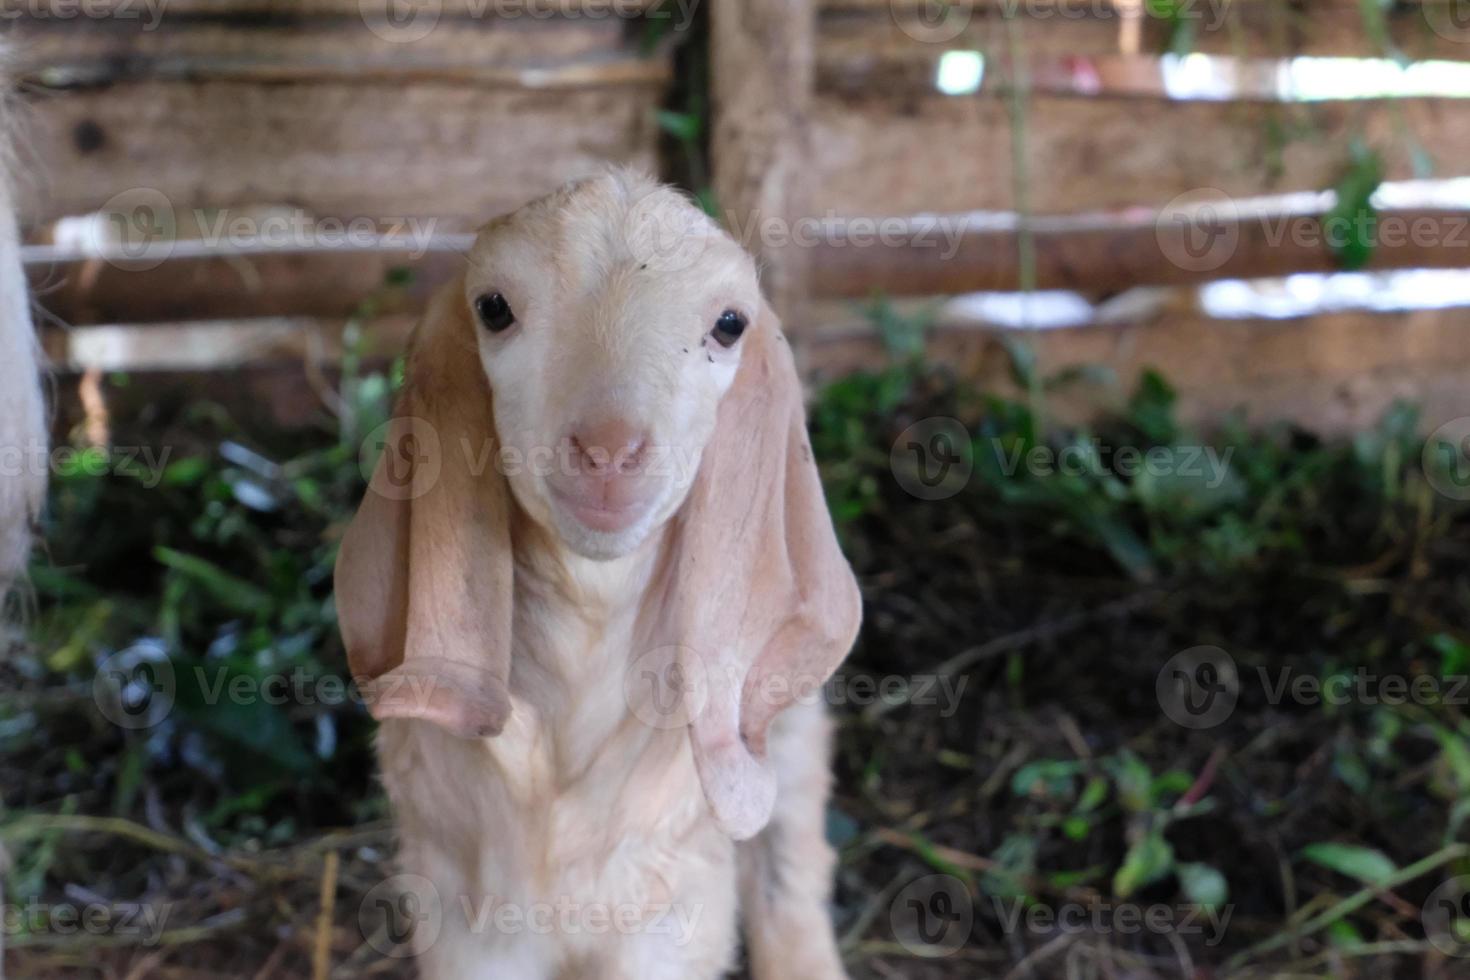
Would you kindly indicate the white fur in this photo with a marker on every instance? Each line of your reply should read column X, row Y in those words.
column 580, row 803
column 22, row 417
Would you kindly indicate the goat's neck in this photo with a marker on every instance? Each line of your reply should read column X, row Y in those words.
column 578, row 624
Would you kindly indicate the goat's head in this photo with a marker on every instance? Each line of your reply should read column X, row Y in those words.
column 609, row 320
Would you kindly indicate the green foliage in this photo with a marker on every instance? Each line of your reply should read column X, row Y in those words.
column 215, row 565
column 1181, row 21
column 1080, row 798
column 1367, row 865
column 1154, row 495
column 1353, row 221
column 1286, row 535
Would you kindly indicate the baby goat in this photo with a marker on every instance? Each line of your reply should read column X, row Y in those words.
column 593, row 571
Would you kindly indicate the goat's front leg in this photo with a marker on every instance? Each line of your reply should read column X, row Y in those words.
column 458, row 954
column 786, row 869
column 693, row 937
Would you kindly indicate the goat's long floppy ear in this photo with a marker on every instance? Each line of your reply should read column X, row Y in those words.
column 425, row 572
column 764, row 598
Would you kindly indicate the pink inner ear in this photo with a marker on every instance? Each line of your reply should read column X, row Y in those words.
column 425, row 578
column 761, row 584
column 740, row 789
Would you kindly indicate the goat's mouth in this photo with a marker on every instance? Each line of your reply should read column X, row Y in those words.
column 598, row 510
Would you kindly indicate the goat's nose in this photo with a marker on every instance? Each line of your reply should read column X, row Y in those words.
column 608, row 447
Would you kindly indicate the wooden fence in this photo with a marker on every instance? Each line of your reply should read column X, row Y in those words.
column 861, row 146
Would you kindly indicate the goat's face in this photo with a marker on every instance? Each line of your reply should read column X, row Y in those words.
column 609, row 320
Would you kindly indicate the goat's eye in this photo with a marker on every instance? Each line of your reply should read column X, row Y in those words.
column 494, row 312
column 728, row 328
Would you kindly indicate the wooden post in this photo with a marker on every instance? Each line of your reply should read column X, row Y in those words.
column 762, row 80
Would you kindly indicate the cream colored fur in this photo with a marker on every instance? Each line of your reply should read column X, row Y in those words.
column 22, row 414
column 529, row 766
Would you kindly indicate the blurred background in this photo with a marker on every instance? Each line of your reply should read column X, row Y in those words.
column 1138, row 342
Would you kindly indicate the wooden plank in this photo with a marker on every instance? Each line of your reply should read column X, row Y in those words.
column 272, row 397
column 919, row 257
column 847, row 41
column 958, row 254
column 91, row 52
column 1420, row 31
column 855, row 72
column 938, row 154
column 200, row 345
column 321, row 283
column 1333, row 373
column 761, row 71
column 458, row 153
column 480, row 9
column 1243, row 28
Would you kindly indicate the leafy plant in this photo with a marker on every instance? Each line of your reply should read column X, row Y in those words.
column 1353, row 221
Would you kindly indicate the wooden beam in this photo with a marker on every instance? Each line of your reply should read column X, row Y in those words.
column 937, row 154
column 855, row 73
column 314, row 283
column 1242, row 28
column 955, row 254
column 465, row 151
column 221, row 345
column 532, row 53
column 222, row 9
column 1332, row 373
column 929, row 256
column 762, row 82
